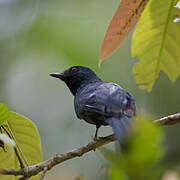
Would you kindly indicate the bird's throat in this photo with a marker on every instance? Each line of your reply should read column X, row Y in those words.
column 74, row 85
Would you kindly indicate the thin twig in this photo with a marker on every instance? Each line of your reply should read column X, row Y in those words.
column 45, row 166
column 15, row 149
column 17, row 145
column 169, row 120
column 33, row 170
column 44, row 172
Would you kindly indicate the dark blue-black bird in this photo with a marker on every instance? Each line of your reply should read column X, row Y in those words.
column 98, row 102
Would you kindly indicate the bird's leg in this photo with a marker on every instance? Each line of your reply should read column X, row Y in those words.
column 96, row 133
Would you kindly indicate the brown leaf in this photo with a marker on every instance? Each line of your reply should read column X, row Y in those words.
column 124, row 20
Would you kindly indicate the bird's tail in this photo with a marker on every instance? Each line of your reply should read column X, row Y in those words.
column 120, row 127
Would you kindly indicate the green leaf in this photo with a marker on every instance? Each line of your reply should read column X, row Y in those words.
column 156, row 43
column 4, row 113
column 116, row 174
column 28, row 139
column 144, row 152
column 146, row 143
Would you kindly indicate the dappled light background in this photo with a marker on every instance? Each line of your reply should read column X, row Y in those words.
column 40, row 37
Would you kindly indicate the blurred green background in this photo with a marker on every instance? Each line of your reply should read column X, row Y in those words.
column 39, row 37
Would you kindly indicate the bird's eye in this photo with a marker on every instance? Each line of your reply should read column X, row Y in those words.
column 74, row 70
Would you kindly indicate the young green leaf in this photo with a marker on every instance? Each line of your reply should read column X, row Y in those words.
column 28, row 140
column 116, row 174
column 144, row 152
column 4, row 113
column 156, row 43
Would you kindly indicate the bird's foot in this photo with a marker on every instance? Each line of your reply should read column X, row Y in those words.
column 95, row 138
column 96, row 133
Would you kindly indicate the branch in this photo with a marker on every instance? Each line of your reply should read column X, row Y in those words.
column 45, row 166
column 29, row 171
column 169, row 120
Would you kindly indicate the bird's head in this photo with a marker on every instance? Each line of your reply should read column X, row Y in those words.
column 76, row 77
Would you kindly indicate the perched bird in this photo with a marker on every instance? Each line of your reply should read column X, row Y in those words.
column 98, row 102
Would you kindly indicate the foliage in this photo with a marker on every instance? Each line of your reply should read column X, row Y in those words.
column 156, row 43
column 27, row 139
column 144, row 152
column 123, row 21
column 4, row 113
column 72, row 39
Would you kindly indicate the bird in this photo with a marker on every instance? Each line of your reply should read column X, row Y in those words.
column 98, row 102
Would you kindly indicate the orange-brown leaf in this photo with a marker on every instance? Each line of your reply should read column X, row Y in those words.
column 125, row 18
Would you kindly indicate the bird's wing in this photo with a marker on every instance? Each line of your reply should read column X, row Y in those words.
column 107, row 99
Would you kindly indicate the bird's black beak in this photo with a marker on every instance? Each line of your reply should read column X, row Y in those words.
column 58, row 75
